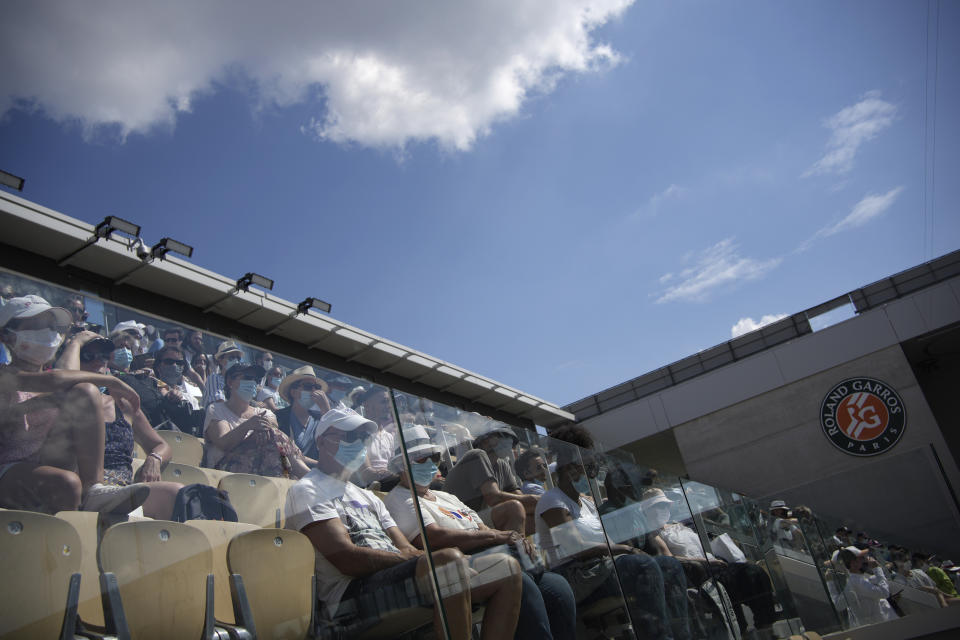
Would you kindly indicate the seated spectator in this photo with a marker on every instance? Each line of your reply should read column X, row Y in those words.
column 152, row 342
column 484, row 480
column 268, row 394
column 532, row 469
column 570, row 532
column 78, row 313
column 359, row 549
column 126, row 426
column 841, row 538
column 199, row 366
column 173, row 337
column 867, row 589
column 451, row 524
column 746, row 583
column 193, row 346
column 931, row 565
column 913, row 576
column 305, row 394
column 243, row 439
column 264, row 360
column 377, row 407
column 339, row 386
column 181, row 398
column 621, row 512
column 784, row 530
column 228, row 354
column 127, row 335
column 51, row 422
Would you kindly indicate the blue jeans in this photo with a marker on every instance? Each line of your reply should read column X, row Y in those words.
column 547, row 609
column 656, row 593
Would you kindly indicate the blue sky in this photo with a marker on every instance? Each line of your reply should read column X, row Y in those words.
column 560, row 196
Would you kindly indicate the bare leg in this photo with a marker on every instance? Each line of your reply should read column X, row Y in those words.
column 509, row 516
column 31, row 486
column 498, row 583
column 77, row 439
column 454, row 584
column 159, row 504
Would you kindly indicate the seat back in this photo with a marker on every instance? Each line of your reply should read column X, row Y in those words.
column 161, row 570
column 87, row 525
column 277, row 570
column 184, row 474
column 38, row 554
column 256, row 498
column 219, row 533
column 186, row 449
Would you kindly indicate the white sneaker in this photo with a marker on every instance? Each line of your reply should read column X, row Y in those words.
column 107, row 498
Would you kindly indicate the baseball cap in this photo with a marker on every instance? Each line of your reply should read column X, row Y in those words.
column 343, row 419
column 128, row 325
column 29, row 306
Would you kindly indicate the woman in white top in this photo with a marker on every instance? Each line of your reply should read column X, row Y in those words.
column 244, row 439
column 267, row 395
column 570, row 531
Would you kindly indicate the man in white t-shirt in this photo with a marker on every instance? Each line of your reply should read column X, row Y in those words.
column 359, row 549
column 868, row 586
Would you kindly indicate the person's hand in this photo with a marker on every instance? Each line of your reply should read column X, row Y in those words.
column 83, row 337
column 150, row 470
column 410, row 552
column 320, row 399
column 259, row 422
column 120, row 390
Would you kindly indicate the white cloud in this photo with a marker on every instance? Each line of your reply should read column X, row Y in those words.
column 863, row 212
column 849, row 129
column 746, row 325
column 652, row 206
column 717, row 266
column 381, row 74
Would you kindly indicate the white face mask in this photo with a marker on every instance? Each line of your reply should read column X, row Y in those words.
column 36, row 346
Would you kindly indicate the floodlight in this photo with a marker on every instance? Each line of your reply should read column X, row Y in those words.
column 113, row 223
column 104, row 230
column 313, row 303
column 166, row 245
column 10, row 180
column 254, row 278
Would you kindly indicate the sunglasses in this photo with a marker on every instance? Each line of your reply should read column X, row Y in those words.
column 90, row 357
column 182, row 363
column 308, row 386
column 435, row 457
column 244, row 376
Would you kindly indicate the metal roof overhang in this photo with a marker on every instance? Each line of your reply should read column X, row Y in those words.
column 50, row 234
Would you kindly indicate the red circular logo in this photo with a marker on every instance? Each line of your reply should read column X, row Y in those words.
column 863, row 416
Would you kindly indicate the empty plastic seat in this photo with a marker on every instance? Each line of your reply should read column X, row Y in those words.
column 158, row 577
column 40, row 556
column 186, row 449
column 257, row 499
column 219, row 533
column 87, row 525
column 276, row 566
column 184, row 474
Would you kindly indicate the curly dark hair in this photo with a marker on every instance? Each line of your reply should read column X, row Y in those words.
column 574, row 434
column 523, row 462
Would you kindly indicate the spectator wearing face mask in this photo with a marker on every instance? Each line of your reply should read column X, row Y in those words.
column 126, row 336
column 51, row 422
column 339, row 387
column 268, row 393
column 228, row 354
column 377, row 407
column 245, row 439
column 173, row 337
column 306, row 395
column 181, row 398
column 532, row 468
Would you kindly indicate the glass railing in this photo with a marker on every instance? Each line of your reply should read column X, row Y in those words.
column 416, row 517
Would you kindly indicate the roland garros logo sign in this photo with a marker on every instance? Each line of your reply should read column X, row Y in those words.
column 863, row 416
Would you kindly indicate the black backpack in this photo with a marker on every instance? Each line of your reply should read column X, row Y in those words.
column 202, row 502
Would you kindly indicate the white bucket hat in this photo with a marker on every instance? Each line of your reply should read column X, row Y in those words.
column 419, row 445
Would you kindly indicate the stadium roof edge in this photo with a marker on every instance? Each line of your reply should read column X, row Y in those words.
column 51, row 235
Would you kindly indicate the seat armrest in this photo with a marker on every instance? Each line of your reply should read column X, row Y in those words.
column 241, row 606
column 114, row 616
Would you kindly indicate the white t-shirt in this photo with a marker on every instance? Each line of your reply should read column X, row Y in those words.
column 683, row 541
column 532, row 488
column 219, row 411
column 318, row 497
column 265, row 392
column 380, row 448
column 448, row 512
column 569, row 539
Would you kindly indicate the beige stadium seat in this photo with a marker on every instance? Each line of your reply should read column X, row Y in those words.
column 219, row 533
column 276, row 567
column 87, row 524
column 257, row 499
column 158, row 580
column 184, row 474
column 40, row 556
column 186, row 449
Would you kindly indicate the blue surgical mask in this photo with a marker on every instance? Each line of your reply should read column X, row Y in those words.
column 423, row 472
column 247, row 389
column 582, row 484
column 305, row 399
column 275, row 381
column 122, row 358
column 336, row 395
column 351, row 454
